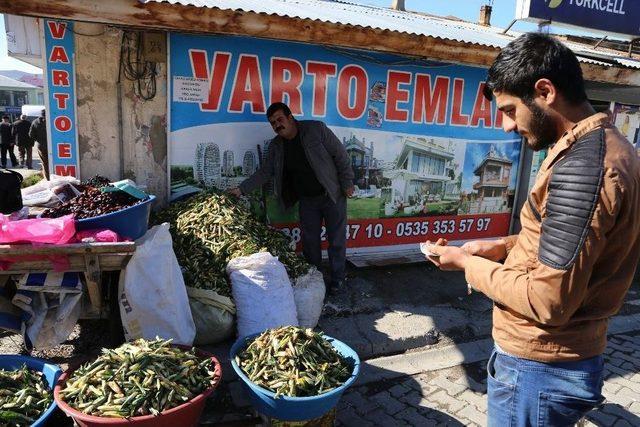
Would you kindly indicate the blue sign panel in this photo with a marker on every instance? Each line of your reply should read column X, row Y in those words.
column 612, row 16
column 61, row 99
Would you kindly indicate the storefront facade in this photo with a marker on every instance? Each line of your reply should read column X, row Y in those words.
column 425, row 145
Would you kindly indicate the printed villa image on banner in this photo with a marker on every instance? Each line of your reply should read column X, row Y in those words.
column 428, row 151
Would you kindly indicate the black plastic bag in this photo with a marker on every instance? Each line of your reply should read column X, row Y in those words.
column 10, row 196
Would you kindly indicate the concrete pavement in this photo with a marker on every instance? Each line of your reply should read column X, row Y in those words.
column 457, row 395
column 424, row 346
column 389, row 311
column 439, row 390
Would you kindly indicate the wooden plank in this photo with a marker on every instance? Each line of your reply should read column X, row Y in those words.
column 92, row 276
column 108, row 262
column 182, row 18
column 70, row 249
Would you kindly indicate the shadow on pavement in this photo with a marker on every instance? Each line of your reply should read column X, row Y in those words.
column 425, row 399
column 391, row 310
column 609, row 413
column 422, row 290
column 400, row 308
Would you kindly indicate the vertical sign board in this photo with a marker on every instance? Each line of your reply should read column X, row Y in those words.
column 428, row 151
column 621, row 17
column 61, row 99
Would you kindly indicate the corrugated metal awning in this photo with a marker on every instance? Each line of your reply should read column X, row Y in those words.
column 365, row 16
column 339, row 12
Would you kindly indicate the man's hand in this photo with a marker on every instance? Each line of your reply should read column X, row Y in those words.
column 235, row 192
column 349, row 191
column 493, row 250
column 448, row 258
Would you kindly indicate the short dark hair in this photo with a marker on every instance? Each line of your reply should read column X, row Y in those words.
column 531, row 57
column 43, row 113
column 278, row 106
column 5, row 117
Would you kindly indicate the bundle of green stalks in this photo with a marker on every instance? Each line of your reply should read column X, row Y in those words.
column 210, row 229
column 293, row 361
column 138, row 378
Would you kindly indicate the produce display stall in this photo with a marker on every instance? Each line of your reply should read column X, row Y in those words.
column 224, row 251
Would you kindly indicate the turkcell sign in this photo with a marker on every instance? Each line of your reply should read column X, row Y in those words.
column 61, row 100
column 611, row 16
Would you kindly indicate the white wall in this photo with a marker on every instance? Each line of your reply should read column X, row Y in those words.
column 144, row 154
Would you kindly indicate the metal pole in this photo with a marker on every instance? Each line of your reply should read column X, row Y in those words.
column 509, row 26
column 119, row 104
column 631, row 46
column 600, row 41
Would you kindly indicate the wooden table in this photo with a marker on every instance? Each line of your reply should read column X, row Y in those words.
column 91, row 258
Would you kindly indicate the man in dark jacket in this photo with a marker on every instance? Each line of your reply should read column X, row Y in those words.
column 38, row 133
column 309, row 164
column 6, row 143
column 23, row 141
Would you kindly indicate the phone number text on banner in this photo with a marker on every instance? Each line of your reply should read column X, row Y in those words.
column 399, row 231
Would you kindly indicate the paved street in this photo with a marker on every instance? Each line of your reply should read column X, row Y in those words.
column 457, row 395
column 424, row 345
column 440, row 378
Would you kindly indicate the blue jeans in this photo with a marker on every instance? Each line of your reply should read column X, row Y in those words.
column 524, row 392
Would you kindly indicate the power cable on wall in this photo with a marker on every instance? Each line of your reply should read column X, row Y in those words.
column 135, row 68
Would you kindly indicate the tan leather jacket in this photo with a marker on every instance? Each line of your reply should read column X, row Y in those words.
column 571, row 265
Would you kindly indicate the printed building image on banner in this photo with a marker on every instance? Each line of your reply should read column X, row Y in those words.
column 427, row 149
column 627, row 120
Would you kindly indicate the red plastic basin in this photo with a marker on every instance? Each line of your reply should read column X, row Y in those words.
column 186, row 415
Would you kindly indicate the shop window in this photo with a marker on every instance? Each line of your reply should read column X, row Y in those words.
column 5, row 98
column 20, row 98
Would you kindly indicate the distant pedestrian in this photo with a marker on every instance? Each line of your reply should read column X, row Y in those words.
column 7, row 143
column 38, row 133
column 24, row 142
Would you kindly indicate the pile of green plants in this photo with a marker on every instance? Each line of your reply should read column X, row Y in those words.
column 211, row 228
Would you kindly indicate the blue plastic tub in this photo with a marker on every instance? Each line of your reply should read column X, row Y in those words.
column 131, row 222
column 288, row 408
column 51, row 374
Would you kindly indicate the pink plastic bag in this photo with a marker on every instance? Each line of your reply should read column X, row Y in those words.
column 38, row 230
column 102, row 236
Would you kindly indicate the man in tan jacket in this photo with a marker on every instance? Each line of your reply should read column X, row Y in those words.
column 569, row 268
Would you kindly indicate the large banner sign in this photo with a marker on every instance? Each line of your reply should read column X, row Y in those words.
column 428, row 150
column 61, row 99
column 609, row 16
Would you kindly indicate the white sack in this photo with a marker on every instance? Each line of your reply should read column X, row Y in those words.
column 262, row 293
column 308, row 293
column 152, row 295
